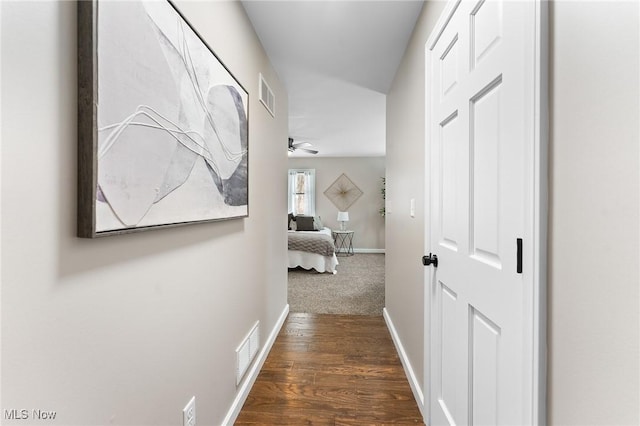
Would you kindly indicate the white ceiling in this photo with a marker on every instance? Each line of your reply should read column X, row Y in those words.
column 337, row 60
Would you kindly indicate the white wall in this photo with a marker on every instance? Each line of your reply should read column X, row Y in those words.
column 364, row 218
column 593, row 245
column 125, row 329
column 594, row 215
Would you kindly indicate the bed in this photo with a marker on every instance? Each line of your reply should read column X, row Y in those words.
column 312, row 250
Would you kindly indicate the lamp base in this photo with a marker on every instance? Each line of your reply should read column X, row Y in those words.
column 343, row 226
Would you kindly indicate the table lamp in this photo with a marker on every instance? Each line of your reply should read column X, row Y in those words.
column 342, row 218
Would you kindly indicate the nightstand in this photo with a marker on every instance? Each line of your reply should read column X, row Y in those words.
column 344, row 242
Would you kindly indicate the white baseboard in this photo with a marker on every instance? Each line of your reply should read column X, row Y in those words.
column 408, row 369
column 366, row 250
column 253, row 372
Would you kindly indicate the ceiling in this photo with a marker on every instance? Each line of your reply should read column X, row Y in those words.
column 337, row 60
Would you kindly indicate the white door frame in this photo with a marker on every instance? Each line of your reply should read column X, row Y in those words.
column 537, row 220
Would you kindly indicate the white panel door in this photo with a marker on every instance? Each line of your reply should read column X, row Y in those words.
column 480, row 70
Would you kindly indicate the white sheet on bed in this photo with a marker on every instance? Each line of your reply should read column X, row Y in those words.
column 315, row 261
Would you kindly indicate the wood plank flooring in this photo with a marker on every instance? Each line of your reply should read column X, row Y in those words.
column 331, row 370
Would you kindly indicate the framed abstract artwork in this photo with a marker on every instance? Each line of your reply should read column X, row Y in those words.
column 162, row 123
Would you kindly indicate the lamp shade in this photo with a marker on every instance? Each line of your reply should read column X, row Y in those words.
column 343, row 216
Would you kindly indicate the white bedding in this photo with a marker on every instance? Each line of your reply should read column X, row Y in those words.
column 315, row 261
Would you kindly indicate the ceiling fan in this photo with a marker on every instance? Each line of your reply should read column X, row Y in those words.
column 302, row 146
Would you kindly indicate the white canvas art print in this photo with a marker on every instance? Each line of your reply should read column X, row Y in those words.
column 171, row 123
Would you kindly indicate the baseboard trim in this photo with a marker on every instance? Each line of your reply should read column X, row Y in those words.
column 367, row 250
column 252, row 374
column 408, row 369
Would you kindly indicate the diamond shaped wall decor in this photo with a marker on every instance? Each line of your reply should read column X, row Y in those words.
column 343, row 193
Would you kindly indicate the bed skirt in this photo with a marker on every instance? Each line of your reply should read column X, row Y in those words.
column 308, row 260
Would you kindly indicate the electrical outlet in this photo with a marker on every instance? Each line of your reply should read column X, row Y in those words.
column 412, row 208
column 189, row 413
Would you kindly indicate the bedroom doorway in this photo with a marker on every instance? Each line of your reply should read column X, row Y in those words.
column 330, row 282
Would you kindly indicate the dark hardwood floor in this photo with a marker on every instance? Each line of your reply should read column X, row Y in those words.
column 331, row 370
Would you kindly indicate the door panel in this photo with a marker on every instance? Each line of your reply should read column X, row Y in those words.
column 486, row 24
column 447, row 393
column 449, row 65
column 485, row 147
column 450, row 144
column 484, row 367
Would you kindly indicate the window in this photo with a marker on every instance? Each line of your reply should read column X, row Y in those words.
column 302, row 192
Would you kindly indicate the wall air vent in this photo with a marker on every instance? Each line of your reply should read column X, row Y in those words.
column 247, row 351
column 266, row 96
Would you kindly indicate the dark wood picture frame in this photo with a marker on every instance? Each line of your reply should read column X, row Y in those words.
column 98, row 177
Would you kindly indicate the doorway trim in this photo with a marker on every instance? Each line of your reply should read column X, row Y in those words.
column 536, row 298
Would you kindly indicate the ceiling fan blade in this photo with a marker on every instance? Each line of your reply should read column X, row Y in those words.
column 311, row 151
column 301, row 144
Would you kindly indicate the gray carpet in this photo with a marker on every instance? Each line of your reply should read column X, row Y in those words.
column 357, row 288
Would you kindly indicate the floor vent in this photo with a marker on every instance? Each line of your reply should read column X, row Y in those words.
column 247, row 351
column 267, row 97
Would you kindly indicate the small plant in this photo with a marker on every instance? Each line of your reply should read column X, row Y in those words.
column 383, row 191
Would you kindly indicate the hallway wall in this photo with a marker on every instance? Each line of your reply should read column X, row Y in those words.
column 405, row 181
column 126, row 329
column 593, row 167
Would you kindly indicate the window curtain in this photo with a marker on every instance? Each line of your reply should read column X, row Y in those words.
column 302, row 198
